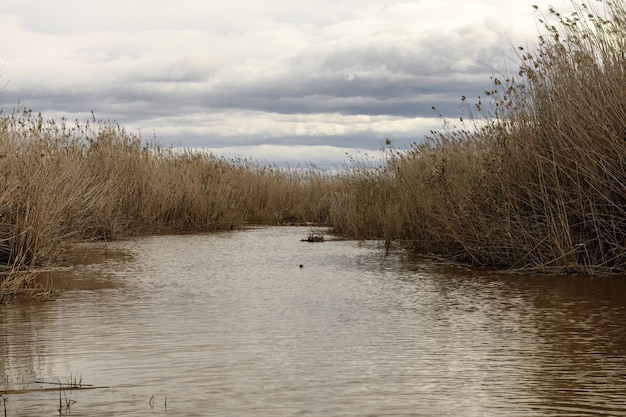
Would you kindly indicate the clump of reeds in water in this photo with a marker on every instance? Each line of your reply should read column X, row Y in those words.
column 315, row 235
column 539, row 182
column 19, row 285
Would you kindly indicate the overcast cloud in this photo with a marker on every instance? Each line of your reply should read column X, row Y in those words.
column 296, row 81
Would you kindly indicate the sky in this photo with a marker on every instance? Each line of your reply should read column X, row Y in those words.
column 298, row 82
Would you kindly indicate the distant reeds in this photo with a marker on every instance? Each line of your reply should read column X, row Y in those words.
column 64, row 181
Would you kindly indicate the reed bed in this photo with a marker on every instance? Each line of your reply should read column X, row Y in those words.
column 539, row 180
column 65, row 181
column 536, row 182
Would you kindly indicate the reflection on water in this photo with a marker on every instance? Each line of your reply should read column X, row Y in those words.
column 229, row 324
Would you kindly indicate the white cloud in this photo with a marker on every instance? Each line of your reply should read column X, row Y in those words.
column 274, row 125
column 295, row 155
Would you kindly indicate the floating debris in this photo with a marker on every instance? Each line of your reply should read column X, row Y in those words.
column 314, row 236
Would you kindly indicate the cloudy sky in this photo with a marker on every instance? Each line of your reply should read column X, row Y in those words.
column 285, row 81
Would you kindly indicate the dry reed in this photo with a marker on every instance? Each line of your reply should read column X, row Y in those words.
column 539, row 182
column 61, row 182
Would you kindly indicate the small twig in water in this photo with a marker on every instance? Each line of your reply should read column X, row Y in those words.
column 76, row 385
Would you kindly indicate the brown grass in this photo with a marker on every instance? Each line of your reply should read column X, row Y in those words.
column 539, row 182
column 61, row 182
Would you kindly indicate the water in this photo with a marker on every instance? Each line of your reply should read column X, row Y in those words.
column 229, row 325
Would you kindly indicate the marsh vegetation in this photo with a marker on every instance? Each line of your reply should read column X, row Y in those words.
column 539, row 180
column 535, row 180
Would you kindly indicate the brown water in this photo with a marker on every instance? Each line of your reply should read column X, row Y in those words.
column 230, row 325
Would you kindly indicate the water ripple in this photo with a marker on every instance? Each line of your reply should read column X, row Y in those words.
column 229, row 324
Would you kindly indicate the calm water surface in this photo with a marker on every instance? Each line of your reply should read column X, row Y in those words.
column 229, row 325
